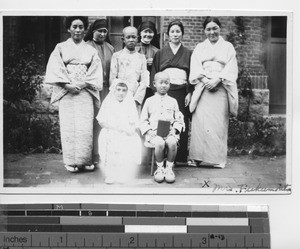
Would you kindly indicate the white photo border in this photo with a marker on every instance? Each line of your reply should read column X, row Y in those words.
column 158, row 190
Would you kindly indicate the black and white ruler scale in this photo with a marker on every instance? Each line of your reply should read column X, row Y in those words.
column 115, row 226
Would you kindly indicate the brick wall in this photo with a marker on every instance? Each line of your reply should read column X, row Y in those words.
column 252, row 53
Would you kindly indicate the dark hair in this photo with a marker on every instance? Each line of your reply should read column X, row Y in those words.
column 70, row 19
column 211, row 19
column 122, row 84
column 176, row 22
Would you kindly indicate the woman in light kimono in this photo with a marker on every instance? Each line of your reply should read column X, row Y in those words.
column 120, row 144
column 214, row 73
column 174, row 59
column 97, row 37
column 74, row 69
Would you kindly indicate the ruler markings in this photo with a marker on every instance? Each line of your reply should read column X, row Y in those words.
column 214, row 240
column 207, row 229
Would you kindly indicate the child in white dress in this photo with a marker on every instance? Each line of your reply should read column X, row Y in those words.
column 119, row 143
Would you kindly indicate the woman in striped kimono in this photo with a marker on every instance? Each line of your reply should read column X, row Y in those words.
column 214, row 73
column 74, row 69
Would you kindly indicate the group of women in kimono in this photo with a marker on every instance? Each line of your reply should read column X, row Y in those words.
column 203, row 82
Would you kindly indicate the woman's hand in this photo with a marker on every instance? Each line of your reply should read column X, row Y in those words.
column 187, row 99
column 72, row 89
column 212, row 83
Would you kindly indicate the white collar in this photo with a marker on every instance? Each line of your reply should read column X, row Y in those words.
column 220, row 40
column 175, row 50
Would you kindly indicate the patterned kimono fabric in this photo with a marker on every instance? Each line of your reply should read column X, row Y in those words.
column 120, row 153
column 71, row 63
column 165, row 60
column 209, row 130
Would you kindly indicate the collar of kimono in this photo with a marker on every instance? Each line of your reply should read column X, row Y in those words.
column 220, row 40
column 174, row 49
column 76, row 45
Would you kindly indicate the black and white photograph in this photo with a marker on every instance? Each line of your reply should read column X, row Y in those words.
column 120, row 108
column 186, row 102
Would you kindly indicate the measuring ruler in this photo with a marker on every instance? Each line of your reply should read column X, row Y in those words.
column 133, row 226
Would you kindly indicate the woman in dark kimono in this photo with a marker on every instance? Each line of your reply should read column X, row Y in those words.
column 97, row 37
column 174, row 59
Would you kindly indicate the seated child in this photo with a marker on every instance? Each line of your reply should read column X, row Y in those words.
column 119, row 144
column 158, row 108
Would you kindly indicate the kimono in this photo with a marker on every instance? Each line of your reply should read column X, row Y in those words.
column 70, row 63
column 165, row 60
column 131, row 67
column 120, row 149
column 210, row 118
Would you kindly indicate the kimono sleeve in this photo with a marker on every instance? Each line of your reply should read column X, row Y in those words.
column 229, row 75
column 94, row 77
column 230, row 71
column 56, row 71
column 196, row 68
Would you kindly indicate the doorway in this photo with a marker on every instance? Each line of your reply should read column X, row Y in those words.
column 276, row 66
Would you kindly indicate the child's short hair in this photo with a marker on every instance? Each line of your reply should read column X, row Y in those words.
column 157, row 75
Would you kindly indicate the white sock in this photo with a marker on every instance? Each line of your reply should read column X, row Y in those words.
column 170, row 164
column 161, row 164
